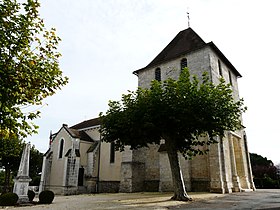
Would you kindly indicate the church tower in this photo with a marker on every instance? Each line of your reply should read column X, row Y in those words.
column 226, row 168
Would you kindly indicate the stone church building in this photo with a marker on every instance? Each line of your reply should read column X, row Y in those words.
column 77, row 162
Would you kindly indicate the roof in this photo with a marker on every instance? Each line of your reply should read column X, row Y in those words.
column 93, row 146
column 77, row 153
column 78, row 134
column 87, row 124
column 185, row 41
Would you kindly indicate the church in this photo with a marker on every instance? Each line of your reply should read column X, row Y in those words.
column 78, row 162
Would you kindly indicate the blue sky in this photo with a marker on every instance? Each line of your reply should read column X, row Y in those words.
column 103, row 42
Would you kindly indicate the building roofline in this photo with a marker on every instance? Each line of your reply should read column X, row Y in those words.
column 182, row 44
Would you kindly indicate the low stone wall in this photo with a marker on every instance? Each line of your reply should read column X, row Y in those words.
column 109, row 186
column 200, row 185
column 151, row 185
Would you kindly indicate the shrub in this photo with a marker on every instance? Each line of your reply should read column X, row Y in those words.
column 8, row 199
column 31, row 195
column 46, row 197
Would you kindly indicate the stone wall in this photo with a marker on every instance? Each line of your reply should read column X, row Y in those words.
column 109, row 186
column 198, row 63
column 132, row 177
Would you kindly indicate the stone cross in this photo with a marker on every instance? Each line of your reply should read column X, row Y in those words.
column 22, row 180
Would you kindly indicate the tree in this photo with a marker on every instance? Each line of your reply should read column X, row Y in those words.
column 10, row 155
column 29, row 67
column 264, row 171
column 177, row 111
column 35, row 166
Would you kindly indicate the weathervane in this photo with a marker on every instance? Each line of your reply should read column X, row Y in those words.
column 188, row 15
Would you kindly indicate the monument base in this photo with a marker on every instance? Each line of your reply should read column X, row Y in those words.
column 21, row 188
column 23, row 199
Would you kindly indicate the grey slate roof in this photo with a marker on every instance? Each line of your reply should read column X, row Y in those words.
column 78, row 134
column 86, row 124
column 185, row 42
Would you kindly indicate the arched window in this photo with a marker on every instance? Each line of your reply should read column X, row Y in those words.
column 184, row 63
column 220, row 68
column 158, row 74
column 61, row 145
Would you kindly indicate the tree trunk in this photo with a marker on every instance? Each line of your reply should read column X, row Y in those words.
column 180, row 193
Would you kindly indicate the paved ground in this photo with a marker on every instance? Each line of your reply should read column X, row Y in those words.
column 261, row 199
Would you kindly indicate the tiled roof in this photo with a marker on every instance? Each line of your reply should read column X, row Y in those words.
column 86, row 124
column 78, row 134
column 185, row 41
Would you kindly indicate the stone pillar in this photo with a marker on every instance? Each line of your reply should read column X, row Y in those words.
column 250, row 174
column 215, row 168
column 132, row 171
column 22, row 180
column 235, row 179
column 225, row 179
column 241, row 162
column 42, row 180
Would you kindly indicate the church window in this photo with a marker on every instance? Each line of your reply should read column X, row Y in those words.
column 220, row 68
column 158, row 74
column 61, row 145
column 112, row 152
column 230, row 78
column 184, row 63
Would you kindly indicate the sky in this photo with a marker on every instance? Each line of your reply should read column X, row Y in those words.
column 103, row 42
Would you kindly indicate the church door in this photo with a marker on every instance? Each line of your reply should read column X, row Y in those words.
column 81, row 177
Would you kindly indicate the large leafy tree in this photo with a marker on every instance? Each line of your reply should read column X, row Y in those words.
column 29, row 67
column 177, row 111
column 10, row 155
column 264, row 172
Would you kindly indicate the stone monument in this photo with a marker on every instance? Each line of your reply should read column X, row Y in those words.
column 22, row 180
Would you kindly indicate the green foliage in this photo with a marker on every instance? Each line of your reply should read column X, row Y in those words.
column 35, row 180
column 10, row 152
column 264, row 172
column 260, row 160
column 35, row 166
column 2, row 177
column 10, row 156
column 46, row 197
column 178, row 111
column 8, row 199
column 29, row 67
column 31, row 195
